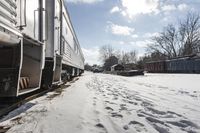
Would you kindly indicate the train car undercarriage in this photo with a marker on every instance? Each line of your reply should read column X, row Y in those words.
column 20, row 66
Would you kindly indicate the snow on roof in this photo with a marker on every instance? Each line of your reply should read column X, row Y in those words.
column 117, row 65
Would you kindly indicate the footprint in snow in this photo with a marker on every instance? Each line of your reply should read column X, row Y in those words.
column 184, row 124
column 129, row 101
column 96, row 112
column 139, row 127
column 108, row 102
column 116, row 115
column 160, row 129
column 155, row 111
column 146, row 104
column 154, row 120
column 123, row 107
column 101, row 126
column 115, row 98
column 136, row 123
column 163, row 87
column 94, row 103
column 126, row 127
column 176, row 114
column 109, row 108
column 140, row 115
column 157, row 125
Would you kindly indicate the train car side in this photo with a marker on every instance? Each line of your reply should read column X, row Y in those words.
column 73, row 60
column 189, row 64
column 20, row 50
column 34, row 51
column 155, row 66
column 64, row 58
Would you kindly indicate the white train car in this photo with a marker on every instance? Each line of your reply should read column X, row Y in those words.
column 21, row 52
column 64, row 58
column 73, row 60
column 34, row 49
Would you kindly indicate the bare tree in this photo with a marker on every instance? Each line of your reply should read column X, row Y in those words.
column 166, row 43
column 106, row 52
column 181, row 41
column 128, row 57
column 118, row 54
column 190, row 34
column 112, row 60
column 133, row 56
column 125, row 58
column 88, row 67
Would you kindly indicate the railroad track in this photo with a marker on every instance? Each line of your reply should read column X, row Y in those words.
column 9, row 104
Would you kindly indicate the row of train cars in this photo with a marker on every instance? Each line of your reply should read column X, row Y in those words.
column 38, row 46
column 187, row 64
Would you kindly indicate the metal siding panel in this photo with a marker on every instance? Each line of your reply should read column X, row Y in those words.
column 57, row 27
column 50, row 28
column 8, row 12
column 71, row 45
column 28, row 17
column 67, row 33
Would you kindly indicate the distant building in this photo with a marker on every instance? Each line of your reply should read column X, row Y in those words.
column 130, row 66
column 110, row 62
column 117, row 67
column 196, row 49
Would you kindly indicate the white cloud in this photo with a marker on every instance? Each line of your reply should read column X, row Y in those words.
column 120, row 30
column 84, row 1
column 169, row 8
column 91, row 55
column 121, row 42
column 150, row 35
column 135, row 7
column 168, row 19
column 182, row 7
column 115, row 9
column 141, row 44
column 134, row 36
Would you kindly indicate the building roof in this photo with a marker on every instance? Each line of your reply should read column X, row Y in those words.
column 117, row 65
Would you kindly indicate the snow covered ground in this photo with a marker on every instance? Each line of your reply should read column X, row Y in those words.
column 101, row 103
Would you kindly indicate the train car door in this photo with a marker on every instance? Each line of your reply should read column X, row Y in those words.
column 57, row 41
column 57, row 27
column 28, row 17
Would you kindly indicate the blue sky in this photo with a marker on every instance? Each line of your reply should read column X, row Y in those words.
column 124, row 24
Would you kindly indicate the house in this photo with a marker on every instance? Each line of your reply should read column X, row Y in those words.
column 117, row 67
column 110, row 62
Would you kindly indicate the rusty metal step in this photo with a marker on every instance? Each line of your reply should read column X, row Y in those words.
column 24, row 83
